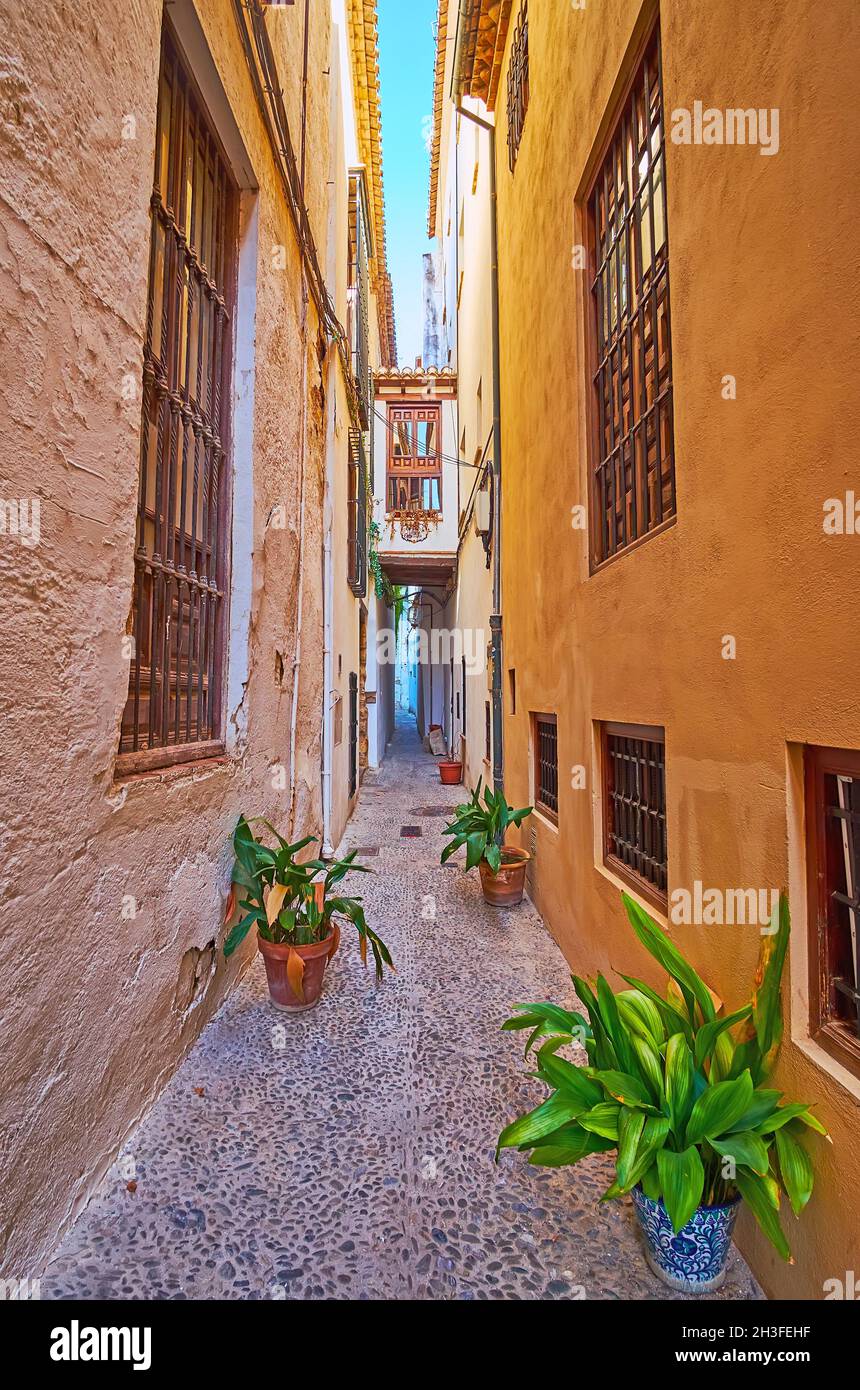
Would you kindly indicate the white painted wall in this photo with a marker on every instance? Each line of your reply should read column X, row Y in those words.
column 442, row 539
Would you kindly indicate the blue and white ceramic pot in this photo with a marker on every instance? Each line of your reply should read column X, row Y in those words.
column 694, row 1260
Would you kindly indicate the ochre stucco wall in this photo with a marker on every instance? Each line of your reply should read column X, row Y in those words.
column 764, row 286
column 93, row 1013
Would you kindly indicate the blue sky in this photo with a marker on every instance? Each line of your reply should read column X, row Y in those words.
column 406, row 60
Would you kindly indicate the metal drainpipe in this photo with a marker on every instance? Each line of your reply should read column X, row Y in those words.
column 496, row 615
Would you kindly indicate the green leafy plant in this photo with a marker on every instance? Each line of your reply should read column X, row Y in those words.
column 482, row 828
column 674, row 1087
column 292, row 903
column 392, row 595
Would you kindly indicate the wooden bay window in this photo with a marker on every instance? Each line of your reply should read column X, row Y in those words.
column 414, row 459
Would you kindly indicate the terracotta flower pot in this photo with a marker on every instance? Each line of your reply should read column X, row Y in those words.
column 283, row 974
column 451, row 772
column 505, row 889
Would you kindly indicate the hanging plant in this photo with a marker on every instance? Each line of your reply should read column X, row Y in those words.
column 392, row 595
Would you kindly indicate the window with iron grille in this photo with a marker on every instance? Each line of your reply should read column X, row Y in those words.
column 414, row 459
column 545, row 735
column 833, row 862
column 357, row 521
column 181, row 564
column 634, row 786
column 633, row 452
column 518, row 85
column 358, row 296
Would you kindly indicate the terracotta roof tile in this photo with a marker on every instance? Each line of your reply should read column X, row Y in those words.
column 364, row 45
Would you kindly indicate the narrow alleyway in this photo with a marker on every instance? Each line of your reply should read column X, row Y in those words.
column 348, row 1153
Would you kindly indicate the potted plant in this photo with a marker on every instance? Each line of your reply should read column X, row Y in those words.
column 674, row 1087
column 482, row 828
column 297, row 915
column 451, row 770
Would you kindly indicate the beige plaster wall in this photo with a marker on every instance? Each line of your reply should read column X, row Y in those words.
column 97, row 1008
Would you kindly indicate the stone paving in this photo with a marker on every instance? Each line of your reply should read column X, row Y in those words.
column 347, row 1153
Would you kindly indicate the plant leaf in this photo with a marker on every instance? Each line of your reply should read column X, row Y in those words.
column 556, row 1111
column 763, row 1105
column 654, row 1136
column 651, row 1183
column 706, row 1037
column 795, row 1167
column 767, row 1010
column 626, row 1089
column 571, row 1079
column 719, row 1108
column 754, row 1192
column 674, row 1021
column 679, row 1083
column 275, row 901
column 493, row 856
column 682, row 1178
column 631, row 1123
column 475, row 846
column 650, row 1067
column 602, row 1120
column 568, row 1145
column 658, row 944
column 642, row 1016
column 616, row 1030
column 238, row 934
column 745, row 1149
column 786, row 1114
column 230, row 905
column 296, row 974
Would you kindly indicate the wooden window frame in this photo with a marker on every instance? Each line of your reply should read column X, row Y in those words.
column 180, row 617
column 631, row 482
column 648, row 733
column 357, row 515
column 831, row 1034
column 518, row 85
column 359, row 252
column 550, row 812
column 413, row 466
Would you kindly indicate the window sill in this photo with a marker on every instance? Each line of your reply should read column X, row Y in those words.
column 635, row 891
column 829, row 1064
column 841, row 1045
column 173, row 772
column 637, row 886
column 598, row 566
column 543, row 818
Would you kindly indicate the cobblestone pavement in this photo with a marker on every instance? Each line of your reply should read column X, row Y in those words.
column 348, row 1152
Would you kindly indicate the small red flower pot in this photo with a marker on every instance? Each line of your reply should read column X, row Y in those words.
column 451, row 773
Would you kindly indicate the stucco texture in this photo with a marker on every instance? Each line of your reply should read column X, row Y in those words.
column 763, row 287
column 98, row 1008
